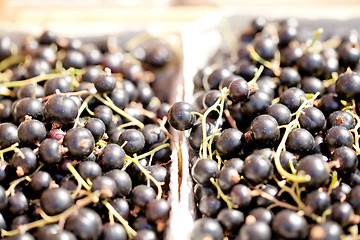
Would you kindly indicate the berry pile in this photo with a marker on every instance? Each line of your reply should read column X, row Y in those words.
column 274, row 135
column 84, row 145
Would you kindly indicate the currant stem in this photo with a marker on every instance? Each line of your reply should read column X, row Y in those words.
column 151, row 152
column 108, row 102
column 293, row 124
column 131, row 232
column 91, row 198
column 13, row 147
column 39, row 78
column 256, row 57
column 221, row 194
column 8, row 62
column 78, row 177
column 147, row 175
column 82, row 108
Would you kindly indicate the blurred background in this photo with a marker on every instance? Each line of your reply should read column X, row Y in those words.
column 171, row 13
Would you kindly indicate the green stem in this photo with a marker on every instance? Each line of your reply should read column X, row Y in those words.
column 293, row 124
column 13, row 147
column 131, row 232
column 91, row 198
column 256, row 57
column 221, row 194
column 144, row 155
column 8, row 62
column 108, row 102
column 78, row 177
column 318, row 32
column 82, row 108
column 147, row 175
column 37, row 79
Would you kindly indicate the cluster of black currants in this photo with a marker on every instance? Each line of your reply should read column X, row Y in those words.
column 84, row 147
column 274, row 136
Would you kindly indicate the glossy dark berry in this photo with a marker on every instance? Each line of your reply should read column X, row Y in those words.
column 318, row 201
column 206, row 227
column 339, row 136
column 238, row 90
column 292, row 98
column 311, row 64
column 262, row 215
column 289, row 77
column 257, row 230
column 256, row 104
column 96, row 127
column 209, row 205
column 122, row 180
column 40, row 181
column 265, row 131
column 61, row 109
column 265, row 47
column 228, row 177
column 112, row 157
column 347, row 158
column 348, row 85
column 141, row 195
column 8, row 135
column 75, row 59
column 312, row 119
column 106, row 185
column 24, row 161
column 157, row 210
column 79, row 141
column 230, row 142
column 312, row 85
column 89, row 170
column 104, row 113
column 230, row 219
column 241, row 195
column 18, row 203
column 180, row 116
column 133, row 141
column 341, row 213
column 328, row 230
column 121, row 205
column 50, row 151
column 340, row 118
column 257, row 169
column 62, row 84
column 300, row 141
column 214, row 79
column 31, row 132
column 105, row 83
column 316, row 168
column 56, row 200
column 287, row 159
column 28, row 107
column 288, row 224
column 280, row 112
column 86, row 224
column 113, row 231
column 203, row 170
column 145, row 234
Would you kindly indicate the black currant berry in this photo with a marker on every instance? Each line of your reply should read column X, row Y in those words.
column 288, row 224
column 60, row 109
column 55, row 201
column 181, row 117
column 80, row 142
column 132, row 141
